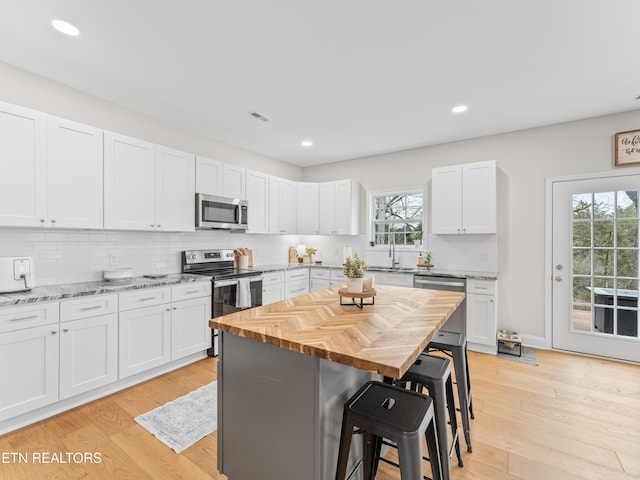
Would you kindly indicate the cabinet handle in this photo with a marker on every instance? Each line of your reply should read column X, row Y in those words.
column 191, row 292
column 65, row 330
column 146, row 299
column 95, row 307
column 159, row 226
column 23, row 318
column 168, row 309
column 53, row 332
column 175, row 308
column 42, row 220
column 152, row 225
column 53, row 220
column 298, row 290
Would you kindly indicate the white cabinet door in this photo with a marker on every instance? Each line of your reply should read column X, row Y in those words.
column 316, row 284
column 482, row 321
column 282, row 208
column 190, row 332
column 74, row 175
column 347, row 212
column 233, row 181
column 209, row 176
column 175, row 190
column 446, row 200
column 257, row 193
column 479, row 209
column 327, row 208
column 308, row 207
column 463, row 199
column 129, row 183
column 144, row 339
column 23, row 168
column 88, row 354
column 339, row 208
column 28, row 369
column 272, row 293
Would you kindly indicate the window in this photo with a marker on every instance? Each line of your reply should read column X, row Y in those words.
column 395, row 216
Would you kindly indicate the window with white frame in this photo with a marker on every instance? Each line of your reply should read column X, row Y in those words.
column 396, row 216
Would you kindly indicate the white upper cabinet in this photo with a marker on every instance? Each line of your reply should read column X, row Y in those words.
column 340, row 207
column 23, row 166
column 257, row 188
column 308, row 208
column 74, row 173
column 47, row 165
column 209, row 176
column 233, row 181
column 463, row 199
column 282, row 205
column 147, row 187
column 129, row 183
column 175, row 190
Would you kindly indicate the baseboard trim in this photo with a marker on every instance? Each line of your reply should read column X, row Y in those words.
column 535, row 342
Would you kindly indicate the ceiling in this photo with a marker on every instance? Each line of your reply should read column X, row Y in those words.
column 357, row 77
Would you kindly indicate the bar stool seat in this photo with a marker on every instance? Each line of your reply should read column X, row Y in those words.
column 380, row 411
column 435, row 374
column 454, row 345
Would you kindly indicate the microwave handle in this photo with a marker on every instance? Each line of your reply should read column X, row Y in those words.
column 225, row 283
column 238, row 207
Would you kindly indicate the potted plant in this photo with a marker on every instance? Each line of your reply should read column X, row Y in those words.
column 417, row 238
column 354, row 269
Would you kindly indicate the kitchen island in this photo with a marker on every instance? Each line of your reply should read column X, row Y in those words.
column 286, row 370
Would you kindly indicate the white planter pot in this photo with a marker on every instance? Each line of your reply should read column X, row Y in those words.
column 354, row 285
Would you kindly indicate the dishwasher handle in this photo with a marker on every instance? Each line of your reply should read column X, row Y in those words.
column 418, row 281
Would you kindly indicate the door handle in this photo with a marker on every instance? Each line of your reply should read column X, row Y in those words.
column 558, row 278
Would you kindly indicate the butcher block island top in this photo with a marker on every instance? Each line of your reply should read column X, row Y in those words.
column 384, row 338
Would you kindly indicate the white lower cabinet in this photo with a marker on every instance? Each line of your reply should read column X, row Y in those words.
column 29, row 350
column 189, row 334
column 482, row 321
column 272, row 287
column 320, row 279
column 296, row 282
column 337, row 277
column 144, row 339
column 88, row 354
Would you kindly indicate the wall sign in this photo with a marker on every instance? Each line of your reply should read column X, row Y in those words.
column 628, row 148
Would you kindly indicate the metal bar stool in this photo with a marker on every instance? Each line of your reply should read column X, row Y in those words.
column 382, row 411
column 454, row 345
column 435, row 374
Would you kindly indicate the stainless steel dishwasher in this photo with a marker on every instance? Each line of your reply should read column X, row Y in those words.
column 457, row 321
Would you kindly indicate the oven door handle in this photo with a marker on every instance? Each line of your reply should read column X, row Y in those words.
column 440, row 283
column 225, row 283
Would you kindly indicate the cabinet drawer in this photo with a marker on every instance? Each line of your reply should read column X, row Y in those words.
column 338, row 276
column 482, row 287
column 297, row 274
column 27, row 316
column 144, row 298
column 294, row 289
column 320, row 273
column 85, row 307
column 190, row 290
column 272, row 278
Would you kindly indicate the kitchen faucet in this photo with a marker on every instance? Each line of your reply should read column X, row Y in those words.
column 392, row 251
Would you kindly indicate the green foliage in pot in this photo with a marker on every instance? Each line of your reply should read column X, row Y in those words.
column 417, row 235
column 354, row 267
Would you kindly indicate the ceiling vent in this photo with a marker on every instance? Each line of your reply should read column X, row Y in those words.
column 260, row 117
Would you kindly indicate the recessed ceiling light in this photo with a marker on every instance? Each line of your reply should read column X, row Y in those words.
column 459, row 109
column 65, row 27
column 307, row 143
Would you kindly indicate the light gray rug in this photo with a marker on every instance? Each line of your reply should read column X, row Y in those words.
column 182, row 422
column 529, row 356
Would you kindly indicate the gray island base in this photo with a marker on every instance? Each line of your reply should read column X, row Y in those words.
column 280, row 412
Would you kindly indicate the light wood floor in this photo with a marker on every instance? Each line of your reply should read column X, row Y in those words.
column 572, row 417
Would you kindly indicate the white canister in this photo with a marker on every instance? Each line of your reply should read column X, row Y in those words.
column 243, row 261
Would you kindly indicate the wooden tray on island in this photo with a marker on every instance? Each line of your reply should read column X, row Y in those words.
column 367, row 293
column 426, row 265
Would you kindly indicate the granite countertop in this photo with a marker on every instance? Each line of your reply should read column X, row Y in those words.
column 372, row 268
column 385, row 337
column 70, row 290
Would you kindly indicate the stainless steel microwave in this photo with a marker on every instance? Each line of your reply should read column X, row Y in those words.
column 220, row 212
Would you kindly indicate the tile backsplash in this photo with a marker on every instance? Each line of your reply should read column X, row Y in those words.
column 69, row 256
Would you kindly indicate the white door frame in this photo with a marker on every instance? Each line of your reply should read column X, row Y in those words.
column 548, row 243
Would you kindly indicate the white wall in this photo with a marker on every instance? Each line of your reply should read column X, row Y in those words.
column 524, row 160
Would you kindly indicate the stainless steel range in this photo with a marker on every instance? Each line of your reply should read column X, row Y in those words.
column 233, row 289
